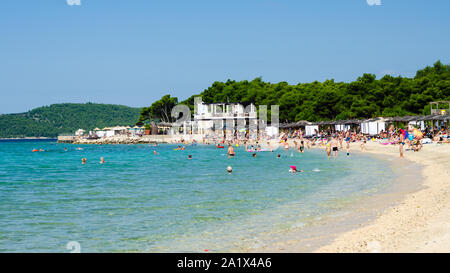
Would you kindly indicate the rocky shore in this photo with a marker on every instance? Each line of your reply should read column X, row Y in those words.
column 151, row 139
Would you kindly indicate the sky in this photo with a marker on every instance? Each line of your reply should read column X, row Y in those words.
column 134, row 52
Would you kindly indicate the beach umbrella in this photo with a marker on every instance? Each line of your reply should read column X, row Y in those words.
column 302, row 123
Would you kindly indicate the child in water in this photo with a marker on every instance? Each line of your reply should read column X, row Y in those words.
column 347, row 148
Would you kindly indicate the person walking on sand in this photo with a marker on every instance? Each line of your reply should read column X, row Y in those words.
column 401, row 144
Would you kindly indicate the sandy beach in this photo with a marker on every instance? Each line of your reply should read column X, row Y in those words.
column 414, row 221
column 420, row 223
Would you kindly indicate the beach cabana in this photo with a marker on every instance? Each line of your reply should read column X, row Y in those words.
column 341, row 125
column 373, row 126
column 311, row 129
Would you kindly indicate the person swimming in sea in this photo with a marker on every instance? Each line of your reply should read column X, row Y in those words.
column 178, row 148
column 293, row 169
column 189, row 157
column 254, row 155
column 83, row 160
column 102, row 160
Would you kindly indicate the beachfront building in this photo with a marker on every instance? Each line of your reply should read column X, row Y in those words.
column 79, row 132
column 111, row 131
column 311, row 130
column 373, row 126
column 222, row 117
column 136, row 131
column 440, row 107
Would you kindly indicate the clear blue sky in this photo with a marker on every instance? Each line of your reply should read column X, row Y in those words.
column 133, row 52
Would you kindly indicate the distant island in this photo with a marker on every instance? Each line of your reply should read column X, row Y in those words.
column 66, row 118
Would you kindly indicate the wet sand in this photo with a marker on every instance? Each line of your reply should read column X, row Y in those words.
column 420, row 222
column 412, row 215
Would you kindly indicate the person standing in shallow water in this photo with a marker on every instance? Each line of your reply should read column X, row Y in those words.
column 347, row 147
column 328, row 148
column 231, row 152
column 334, row 146
column 363, row 143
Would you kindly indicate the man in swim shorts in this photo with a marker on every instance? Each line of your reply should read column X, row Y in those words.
column 334, row 146
column 231, row 152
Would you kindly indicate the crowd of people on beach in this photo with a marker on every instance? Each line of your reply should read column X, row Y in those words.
column 407, row 138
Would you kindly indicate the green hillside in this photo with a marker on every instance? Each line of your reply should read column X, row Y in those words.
column 366, row 97
column 66, row 118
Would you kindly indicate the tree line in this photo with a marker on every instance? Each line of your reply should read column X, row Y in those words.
column 366, row 97
column 65, row 118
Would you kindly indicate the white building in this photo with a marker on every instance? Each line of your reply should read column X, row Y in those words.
column 311, row 130
column 223, row 116
column 373, row 126
column 79, row 132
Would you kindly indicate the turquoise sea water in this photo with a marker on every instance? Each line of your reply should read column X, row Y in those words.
column 142, row 202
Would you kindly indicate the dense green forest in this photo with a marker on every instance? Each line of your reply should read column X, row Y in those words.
column 366, row 97
column 49, row 121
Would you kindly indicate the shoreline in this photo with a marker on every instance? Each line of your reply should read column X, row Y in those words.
column 410, row 220
column 420, row 223
column 357, row 212
column 29, row 138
